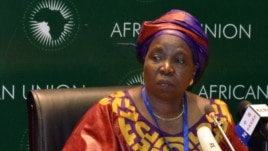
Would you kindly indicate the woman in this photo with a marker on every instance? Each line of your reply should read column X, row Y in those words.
column 162, row 114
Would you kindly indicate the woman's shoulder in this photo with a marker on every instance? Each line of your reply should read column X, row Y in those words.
column 197, row 101
column 120, row 94
column 201, row 102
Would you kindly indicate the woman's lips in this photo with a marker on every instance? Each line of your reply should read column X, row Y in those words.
column 165, row 83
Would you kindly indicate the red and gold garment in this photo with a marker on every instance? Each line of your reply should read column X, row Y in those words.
column 115, row 124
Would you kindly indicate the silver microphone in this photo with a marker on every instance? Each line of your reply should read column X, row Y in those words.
column 210, row 112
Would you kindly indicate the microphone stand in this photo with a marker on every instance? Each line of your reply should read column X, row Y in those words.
column 218, row 124
column 264, row 145
column 264, row 132
column 258, row 143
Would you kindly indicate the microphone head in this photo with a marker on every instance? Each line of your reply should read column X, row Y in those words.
column 207, row 140
column 242, row 107
column 209, row 109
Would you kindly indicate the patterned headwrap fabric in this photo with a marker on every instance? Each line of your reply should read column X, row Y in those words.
column 181, row 24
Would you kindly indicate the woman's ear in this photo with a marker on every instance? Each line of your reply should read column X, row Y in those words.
column 191, row 82
column 196, row 67
column 194, row 72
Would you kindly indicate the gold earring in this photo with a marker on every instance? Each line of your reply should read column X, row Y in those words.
column 142, row 74
column 191, row 82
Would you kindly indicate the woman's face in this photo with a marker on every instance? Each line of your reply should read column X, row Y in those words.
column 168, row 67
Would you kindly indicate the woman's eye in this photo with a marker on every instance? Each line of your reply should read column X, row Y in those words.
column 156, row 57
column 180, row 60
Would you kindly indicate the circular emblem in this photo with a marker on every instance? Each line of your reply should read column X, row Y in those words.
column 24, row 143
column 147, row 1
column 51, row 24
column 133, row 78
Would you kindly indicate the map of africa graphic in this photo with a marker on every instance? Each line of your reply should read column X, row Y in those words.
column 52, row 22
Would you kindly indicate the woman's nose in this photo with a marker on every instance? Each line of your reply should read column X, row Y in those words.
column 167, row 68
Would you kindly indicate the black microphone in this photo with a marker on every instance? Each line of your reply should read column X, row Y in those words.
column 210, row 112
column 253, row 123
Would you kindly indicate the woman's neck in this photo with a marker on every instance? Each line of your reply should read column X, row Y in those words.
column 166, row 106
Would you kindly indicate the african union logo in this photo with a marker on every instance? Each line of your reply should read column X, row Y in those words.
column 147, row 1
column 51, row 24
column 24, row 143
column 134, row 77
